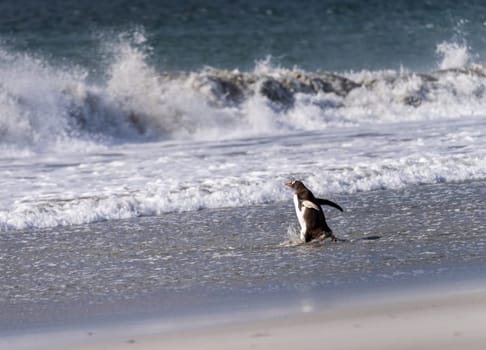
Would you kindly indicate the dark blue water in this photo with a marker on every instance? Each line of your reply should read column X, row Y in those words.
column 187, row 35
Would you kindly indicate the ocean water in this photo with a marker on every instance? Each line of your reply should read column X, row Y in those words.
column 138, row 121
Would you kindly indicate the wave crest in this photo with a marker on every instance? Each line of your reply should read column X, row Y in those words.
column 42, row 105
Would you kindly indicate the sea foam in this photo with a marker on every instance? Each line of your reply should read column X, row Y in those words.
column 44, row 106
column 138, row 141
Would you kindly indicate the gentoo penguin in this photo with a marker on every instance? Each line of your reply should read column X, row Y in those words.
column 309, row 212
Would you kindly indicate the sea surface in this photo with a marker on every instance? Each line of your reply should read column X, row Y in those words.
column 144, row 146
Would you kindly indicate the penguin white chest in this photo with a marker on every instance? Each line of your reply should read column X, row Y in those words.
column 300, row 209
column 300, row 213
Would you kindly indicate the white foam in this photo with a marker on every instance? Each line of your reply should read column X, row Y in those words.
column 137, row 143
column 149, row 179
column 47, row 107
column 453, row 55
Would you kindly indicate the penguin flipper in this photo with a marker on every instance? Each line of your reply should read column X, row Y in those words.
column 310, row 205
column 329, row 203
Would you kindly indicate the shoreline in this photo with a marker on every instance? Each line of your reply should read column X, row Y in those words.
column 432, row 318
column 154, row 277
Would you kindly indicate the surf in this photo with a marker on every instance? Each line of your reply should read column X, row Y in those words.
column 47, row 106
column 211, row 138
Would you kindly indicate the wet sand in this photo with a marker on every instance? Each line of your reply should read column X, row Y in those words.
column 431, row 320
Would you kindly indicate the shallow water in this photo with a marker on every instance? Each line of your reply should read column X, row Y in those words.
column 187, row 261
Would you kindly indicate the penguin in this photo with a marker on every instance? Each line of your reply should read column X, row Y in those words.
column 309, row 213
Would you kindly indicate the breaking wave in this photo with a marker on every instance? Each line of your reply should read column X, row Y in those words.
column 78, row 146
column 47, row 106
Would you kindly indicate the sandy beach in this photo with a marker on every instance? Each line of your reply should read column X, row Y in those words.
column 432, row 320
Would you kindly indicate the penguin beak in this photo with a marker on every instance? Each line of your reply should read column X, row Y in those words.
column 288, row 184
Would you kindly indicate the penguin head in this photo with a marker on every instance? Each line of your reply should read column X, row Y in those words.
column 296, row 185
